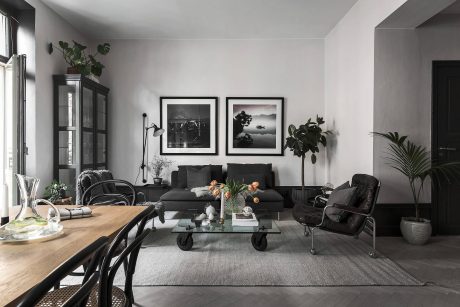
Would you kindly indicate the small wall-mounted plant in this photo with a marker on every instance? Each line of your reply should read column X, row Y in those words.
column 79, row 61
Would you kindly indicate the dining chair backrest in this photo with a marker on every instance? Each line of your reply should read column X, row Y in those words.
column 96, row 195
column 94, row 252
column 130, row 252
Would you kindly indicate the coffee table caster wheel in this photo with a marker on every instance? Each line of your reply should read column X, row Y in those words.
column 372, row 254
column 185, row 241
column 313, row 251
column 259, row 242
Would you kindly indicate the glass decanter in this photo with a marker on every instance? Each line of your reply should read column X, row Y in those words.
column 28, row 222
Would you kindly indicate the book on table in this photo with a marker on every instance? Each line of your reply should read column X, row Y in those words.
column 239, row 219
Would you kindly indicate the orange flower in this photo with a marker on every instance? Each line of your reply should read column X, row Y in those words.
column 256, row 200
column 216, row 192
column 227, row 195
column 211, row 187
column 255, row 184
column 251, row 188
column 213, row 183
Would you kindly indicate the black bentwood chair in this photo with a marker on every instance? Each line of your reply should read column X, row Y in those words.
column 105, row 294
column 110, row 295
column 73, row 295
column 360, row 211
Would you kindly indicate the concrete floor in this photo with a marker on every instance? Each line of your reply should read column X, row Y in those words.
column 437, row 263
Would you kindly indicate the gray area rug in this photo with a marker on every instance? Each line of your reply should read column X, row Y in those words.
column 230, row 260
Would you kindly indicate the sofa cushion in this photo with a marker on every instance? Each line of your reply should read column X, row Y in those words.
column 216, row 174
column 198, row 176
column 267, row 196
column 249, row 178
column 237, row 170
column 178, row 194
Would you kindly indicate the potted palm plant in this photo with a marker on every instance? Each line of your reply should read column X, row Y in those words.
column 307, row 138
column 158, row 165
column 414, row 162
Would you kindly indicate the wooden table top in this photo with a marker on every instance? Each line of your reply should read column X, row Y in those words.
column 24, row 265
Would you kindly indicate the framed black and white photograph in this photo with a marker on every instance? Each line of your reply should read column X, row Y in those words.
column 190, row 125
column 255, row 126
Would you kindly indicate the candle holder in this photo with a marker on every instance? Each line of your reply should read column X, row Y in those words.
column 5, row 220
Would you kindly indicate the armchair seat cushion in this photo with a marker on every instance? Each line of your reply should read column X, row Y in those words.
column 312, row 216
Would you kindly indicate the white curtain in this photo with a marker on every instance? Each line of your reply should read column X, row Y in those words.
column 9, row 115
column 4, row 36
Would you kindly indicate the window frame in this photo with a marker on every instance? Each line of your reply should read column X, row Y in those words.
column 12, row 34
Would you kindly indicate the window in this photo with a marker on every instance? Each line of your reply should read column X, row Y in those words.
column 5, row 38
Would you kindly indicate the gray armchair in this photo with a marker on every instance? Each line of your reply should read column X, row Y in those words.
column 360, row 212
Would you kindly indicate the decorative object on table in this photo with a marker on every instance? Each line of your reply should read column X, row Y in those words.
column 301, row 141
column 158, row 165
column 28, row 224
column 64, row 202
column 157, row 131
column 255, row 126
column 209, row 209
column 55, row 191
column 414, row 162
column 79, row 61
column 240, row 219
column 247, row 211
column 71, row 213
column 191, row 125
column 5, row 209
column 233, row 195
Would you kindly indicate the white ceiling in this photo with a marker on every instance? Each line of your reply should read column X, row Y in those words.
column 202, row 19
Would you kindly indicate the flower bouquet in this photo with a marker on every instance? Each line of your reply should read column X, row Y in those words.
column 234, row 194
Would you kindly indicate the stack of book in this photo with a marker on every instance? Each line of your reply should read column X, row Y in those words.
column 239, row 219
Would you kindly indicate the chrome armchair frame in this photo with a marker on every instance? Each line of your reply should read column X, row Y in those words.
column 369, row 221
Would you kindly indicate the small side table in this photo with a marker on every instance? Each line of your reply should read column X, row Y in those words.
column 153, row 192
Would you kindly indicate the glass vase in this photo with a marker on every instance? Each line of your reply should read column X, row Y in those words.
column 28, row 220
column 235, row 204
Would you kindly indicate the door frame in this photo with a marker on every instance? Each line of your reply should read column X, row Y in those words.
column 434, row 136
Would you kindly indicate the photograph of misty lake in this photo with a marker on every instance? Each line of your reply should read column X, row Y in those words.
column 254, row 126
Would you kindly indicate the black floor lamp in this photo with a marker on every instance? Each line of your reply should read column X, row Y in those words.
column 157, row 131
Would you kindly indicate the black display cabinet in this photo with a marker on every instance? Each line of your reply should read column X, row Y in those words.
column 80, row 127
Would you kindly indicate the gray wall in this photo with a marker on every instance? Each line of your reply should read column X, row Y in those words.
column 49, row 27
column 403, row 68
column 140, row 71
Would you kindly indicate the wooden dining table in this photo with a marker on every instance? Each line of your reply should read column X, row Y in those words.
column 24, row 265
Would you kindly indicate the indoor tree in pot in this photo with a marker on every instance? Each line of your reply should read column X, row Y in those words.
column 307, row 138
column 414, row 162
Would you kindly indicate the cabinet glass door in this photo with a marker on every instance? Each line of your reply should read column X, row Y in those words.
column 101, row 150
column 67, row 102
column 88, row 133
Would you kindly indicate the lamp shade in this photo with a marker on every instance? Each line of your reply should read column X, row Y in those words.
column 157, row 131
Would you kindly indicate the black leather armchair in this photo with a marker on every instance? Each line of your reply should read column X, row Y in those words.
column 360, row 218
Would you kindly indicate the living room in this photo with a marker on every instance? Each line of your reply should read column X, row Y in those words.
column 321, row 122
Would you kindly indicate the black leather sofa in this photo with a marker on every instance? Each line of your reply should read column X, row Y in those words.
column 180, row 198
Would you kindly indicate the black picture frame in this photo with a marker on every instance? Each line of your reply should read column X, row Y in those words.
column 214, row 126
column 279, row 135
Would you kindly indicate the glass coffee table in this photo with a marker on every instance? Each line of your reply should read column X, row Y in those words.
column 185, row 228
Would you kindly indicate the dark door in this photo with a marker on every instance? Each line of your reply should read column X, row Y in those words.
column 446, row 143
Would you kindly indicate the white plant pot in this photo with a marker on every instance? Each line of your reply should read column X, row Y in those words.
column 417, row 233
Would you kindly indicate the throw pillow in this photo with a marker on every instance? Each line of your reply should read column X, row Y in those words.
column 250, row 178
column 235, row 170
column 198, row 176
column 341, row 195
column 216, row 174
